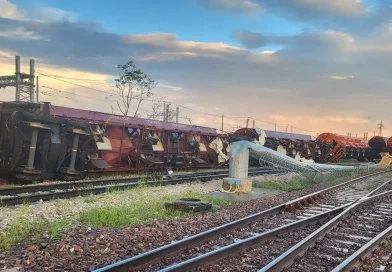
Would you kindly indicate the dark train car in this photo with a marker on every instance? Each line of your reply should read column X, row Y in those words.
column 37, row 146
column 377, row 146
column 298, row 146
column 336, row 147
column 136, row 144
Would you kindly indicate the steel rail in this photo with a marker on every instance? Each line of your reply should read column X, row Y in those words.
column 352, row 261
column 146, row 258
column 15, row 200
column 223, row 252
column 84, row 183
column 287, row 258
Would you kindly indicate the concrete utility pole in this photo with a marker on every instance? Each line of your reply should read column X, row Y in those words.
column 32, row 77
column 37, row 87
column 380, row 127
column 167, row 112
column 24, row 83
column 254, row 123
column 247, row 122
column 164, row 112
column 222, row 123
column 17, row 77
column 177, row 114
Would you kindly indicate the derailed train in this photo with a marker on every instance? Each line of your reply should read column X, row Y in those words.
column 44, row 141
column 326, row 148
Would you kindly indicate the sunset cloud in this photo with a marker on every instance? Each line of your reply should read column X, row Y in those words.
column 327, row 77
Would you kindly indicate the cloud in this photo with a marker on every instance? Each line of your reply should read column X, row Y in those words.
column 249, row 39
column 268, row 52
column 294, row 8
column 51, row 14
column 311, row 9
column 340, row 77
column 41, row 14
column 350, row 120
column 19, row 33
column 343, row 15
column 342, row 7
column 294, row 82
column 242, row 6
column 10, row 11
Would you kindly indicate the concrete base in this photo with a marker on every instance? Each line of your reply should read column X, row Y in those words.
column 239, row 186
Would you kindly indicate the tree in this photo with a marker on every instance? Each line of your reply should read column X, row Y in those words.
column 132, row 84
column 157, row 109
column 157, row 106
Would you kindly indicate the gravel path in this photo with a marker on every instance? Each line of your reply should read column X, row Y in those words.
column 83, row 248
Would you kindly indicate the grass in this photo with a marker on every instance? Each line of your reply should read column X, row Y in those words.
column 139, row 206
column 18, row 231
column 145, row 212
column 295, row 184
column 301, row 182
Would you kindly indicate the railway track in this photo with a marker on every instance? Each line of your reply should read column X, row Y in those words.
column 340, row 243
column 217, row 243
column 44, row 192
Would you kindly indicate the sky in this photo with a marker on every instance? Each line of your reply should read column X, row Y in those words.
column 308, row 66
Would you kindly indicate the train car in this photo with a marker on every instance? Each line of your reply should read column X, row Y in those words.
column 44, row 141
column 36, row 146
column 136, row 144
column 338, row 147
column 298, row 146
column 377, row 146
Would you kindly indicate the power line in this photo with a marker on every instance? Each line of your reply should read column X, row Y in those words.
column 73, row 78
column 187, row 108
column 79, row 85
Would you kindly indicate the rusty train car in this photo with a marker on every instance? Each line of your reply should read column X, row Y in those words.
column 35, row 145
column 44, row 141
column 326, row 148
column 343, row 147
column 299, row 146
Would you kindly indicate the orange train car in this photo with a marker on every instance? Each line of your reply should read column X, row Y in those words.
column 342, row 147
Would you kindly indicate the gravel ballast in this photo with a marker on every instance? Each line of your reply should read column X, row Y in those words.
column 84, row 248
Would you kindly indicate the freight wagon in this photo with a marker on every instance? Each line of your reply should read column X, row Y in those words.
column 40, row 141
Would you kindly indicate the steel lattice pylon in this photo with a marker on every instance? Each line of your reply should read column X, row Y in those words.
column 23, row 83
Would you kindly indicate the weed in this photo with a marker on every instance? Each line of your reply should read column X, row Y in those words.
column 89, row 198
column 143, row 211
column 20, row 230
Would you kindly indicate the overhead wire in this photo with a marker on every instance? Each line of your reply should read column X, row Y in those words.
column 184, row 107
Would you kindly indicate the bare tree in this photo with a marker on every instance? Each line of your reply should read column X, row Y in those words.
column 157, row 107
column 132, row 84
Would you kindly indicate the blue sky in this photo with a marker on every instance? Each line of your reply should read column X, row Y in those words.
column 186, row 18
column 315, row 64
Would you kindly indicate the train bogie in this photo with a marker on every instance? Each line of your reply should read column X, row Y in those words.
column 37, row 146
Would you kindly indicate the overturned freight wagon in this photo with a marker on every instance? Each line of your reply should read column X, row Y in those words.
column 336, row 147
column 35, row 145
column 377, row 146
column 298, row 146
column 136, row 144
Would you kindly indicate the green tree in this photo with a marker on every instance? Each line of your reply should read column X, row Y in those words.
column 132, row 85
